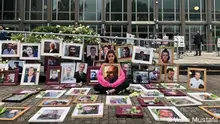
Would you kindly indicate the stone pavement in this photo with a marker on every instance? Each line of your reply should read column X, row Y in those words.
column 109, row 111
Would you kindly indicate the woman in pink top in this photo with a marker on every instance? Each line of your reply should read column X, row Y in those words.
column 113, row 83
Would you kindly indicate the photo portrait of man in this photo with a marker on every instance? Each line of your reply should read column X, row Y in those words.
column 111, row 73
column 142, row 56
column 9, row 78
column 30, row 75
column 73, row 51
column 9, row 49
column 104, row 50
column 170, row 74
column 52, row 62
column 92, row 54
column 80, row 73
column 67, row 75
column 125, row 52
column 165, row 56
column 54, row 75
column 126, row 67
column 196, row 81
column 93, row 75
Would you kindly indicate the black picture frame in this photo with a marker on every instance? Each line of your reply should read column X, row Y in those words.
column 26, row 95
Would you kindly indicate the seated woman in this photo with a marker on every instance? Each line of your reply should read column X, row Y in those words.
column 112, row 84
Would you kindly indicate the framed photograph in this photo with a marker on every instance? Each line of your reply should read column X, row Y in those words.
column 30, row 91
column 98, row 63
column 51, row 94
column 129, row 111
column 183, row 101
column 197, row 79
column 67, row 73
column 85, row 99
column 9, row 78
column 15, row 64
column 153, row 86
column 142, row 55
column 51, row 61
column 78, row 91
column 12, row 113
column 104, row 48
column 92, row 75
column 91, row 110
column 166, row 56
column 81, row 71
column 3, row 67
column 30, row 74
column 136, row 88
column 173, row 86
column 171, row 73
column 150, row 101
column 169, row 92
column 30, row 51
column 118, row 100
column 53, row 75
column 55, row 102
column 9, row 48
column 124, row 53
column 140, row 77
column 75, row 85
column 111, row 72
column 50, row 114
column 152, row 93
column 17, row 97
column 72, row 51
column 167, row 113
column 212, row 110
column 92, row 54
column 155, row 74
column 55, row 87
column 204, row 96
column 126, row 66
column 50, row 47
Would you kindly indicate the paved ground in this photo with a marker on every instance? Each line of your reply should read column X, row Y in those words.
column 109, row 112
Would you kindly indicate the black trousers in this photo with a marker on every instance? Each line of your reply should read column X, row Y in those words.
column 103, row 90
column 198, row 49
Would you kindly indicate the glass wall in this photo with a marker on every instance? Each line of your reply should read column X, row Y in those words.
column 143, row 31
column 116, row 30
column 63, row 10
column 35, row 9
column 116, row 10
column 9, row 10
column 169, row 30
column 169, row 10
column 90, row 9
column 195, row 10
column 216, row 10
column 142, row 10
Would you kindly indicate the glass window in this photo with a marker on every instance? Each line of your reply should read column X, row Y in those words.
column 35, row 9
column 116, row 30
column 169, row 10
column 216, row 10
column 116, row 10
column 142, row 10
column 9, row 10
column 90, row 9
column 195, row 10
column 63, row 10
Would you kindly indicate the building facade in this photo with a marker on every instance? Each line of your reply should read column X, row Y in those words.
column 143, row 18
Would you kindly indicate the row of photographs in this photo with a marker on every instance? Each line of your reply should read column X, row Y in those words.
column 74, row 51
column 66, row 73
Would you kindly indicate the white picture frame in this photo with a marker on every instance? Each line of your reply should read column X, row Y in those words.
column 11, row 64
column 147, row 51
column 117, row 100
column 78, row 91
column 152, row 93
column 197, row 96
column 176, row 86
column 181, row 118
column 57, row 49
column 61, row 111
column 70, row 67
column 3, row 66
column 65, row 51
column 136, row 87
column 36, row 56
column 35, row 77
column 55, row 94
column 172, row 99
column 78, row 111
column 5, row 42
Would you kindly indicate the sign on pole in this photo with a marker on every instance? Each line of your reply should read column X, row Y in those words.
column 218, row 42
column 180, row 40
column 129, row 41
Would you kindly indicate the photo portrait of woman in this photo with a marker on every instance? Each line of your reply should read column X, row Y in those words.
column 29, row 51
column 30, row 75
column 53, row 48
column 166, row 56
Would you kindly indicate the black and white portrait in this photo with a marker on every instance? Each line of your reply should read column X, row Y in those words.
column 68, row 71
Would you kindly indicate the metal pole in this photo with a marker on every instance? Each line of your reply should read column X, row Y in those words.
column 83, row 41
column 177, row 50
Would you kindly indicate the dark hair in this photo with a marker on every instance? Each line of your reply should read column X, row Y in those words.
column 92, row 48
column 127, row 48
column 141, row 51
column 115, row 60
column 165, row 51
column 169, row 69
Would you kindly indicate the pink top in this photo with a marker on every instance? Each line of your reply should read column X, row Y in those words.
column 105, row 83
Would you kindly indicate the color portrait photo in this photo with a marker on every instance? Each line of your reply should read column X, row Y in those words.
column 68, row 71
column 111, row 72
column 30, row 51
column 142, row 55
column 124, row 53
column 50, row 47
column 72, row 51
column 197, row 78
column 172, row 74
column 91, row 54
column 166, row 56
column 30, row 75
column 9, row 49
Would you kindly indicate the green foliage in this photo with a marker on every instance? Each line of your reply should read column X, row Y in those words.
column 80, row 30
